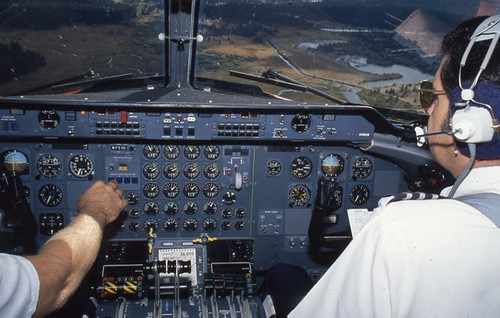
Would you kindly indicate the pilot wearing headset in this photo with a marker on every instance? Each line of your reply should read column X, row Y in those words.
column 435, row 258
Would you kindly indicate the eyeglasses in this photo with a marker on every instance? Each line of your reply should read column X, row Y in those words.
column 427, row 94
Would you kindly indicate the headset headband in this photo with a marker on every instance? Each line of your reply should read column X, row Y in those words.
column 489, row 29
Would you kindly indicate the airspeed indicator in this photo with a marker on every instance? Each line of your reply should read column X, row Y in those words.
column 81, row 166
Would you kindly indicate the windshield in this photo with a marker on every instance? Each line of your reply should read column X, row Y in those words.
column 59, row 41
column 359, row 51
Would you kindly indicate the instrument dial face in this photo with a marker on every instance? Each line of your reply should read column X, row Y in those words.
column 210, row 208
column 132, row 197
column 301, row 123
column 210, row 190
column 210, row 224
column 191, row 171
column 151, row 224
column 359, row 194
column 190, row 224
column 49, row 166
column 332, row 165
column 134, row 214
column 191, row 190
column 151, row 208
column 362, row 168
column 301, row 167
column 81, row 166
column 273, row 167
column 191, row 208
column 151, row 190
column 134, row 226
column 211, row 152
column 229, row 198
column 15, row 160
column 171, row 190
column 170, row 225
column 191, row 152
column 151, row 151
column 50, row 195
column 171, row 170
column 172, row 152
column 299, row 195
column 211, row 171
column 171, row 208
column 151, row 170
column 48, row 119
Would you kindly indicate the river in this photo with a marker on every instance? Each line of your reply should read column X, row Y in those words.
column 408, row 75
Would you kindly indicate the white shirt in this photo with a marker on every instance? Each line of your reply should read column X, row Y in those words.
column 19, row 287
column 431, row 258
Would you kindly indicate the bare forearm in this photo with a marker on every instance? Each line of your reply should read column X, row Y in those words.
column 65, row 259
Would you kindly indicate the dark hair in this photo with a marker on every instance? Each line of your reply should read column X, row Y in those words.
column 453, row 47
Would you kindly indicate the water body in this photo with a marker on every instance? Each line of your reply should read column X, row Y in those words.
column 408, row 75
column 314, row 45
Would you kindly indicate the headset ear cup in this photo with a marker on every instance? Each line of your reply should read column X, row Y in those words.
column 472, row 125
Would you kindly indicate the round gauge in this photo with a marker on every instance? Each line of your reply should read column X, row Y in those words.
column 359, row 194
column 134, row 226
column 81, row 166
column 190, row 224
column 134, row 214
column 48, row 119
column 210, row 190
column 226, row 213
column 273, row 167
column 151, row 224
column 151, row 170
column 171, row 208
column 170, row 225
column 191, row 190
column 15, row 160
column 211, row 171
column 301, row 123
column 191, row 171
column 172, row 152
column 210, row 208
column 332, row 165
column 229, row 198
column 211, row 152
column 299, row 195
column 226, row 225
column 239, row 225
column 50, row 195
column 171, row 190
column 210, row 224
column 132, row 197
column 151, row 190
column 49, row 166
column 191, row 152
column 361, row 168
column 190, row 208
column 151, row 151
column 171, row 170
column 151, row 208
column 301, row 167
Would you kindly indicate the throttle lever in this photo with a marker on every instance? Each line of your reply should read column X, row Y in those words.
column 325, row 203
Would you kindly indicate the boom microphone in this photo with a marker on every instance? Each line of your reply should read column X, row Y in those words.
column 421, row 134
